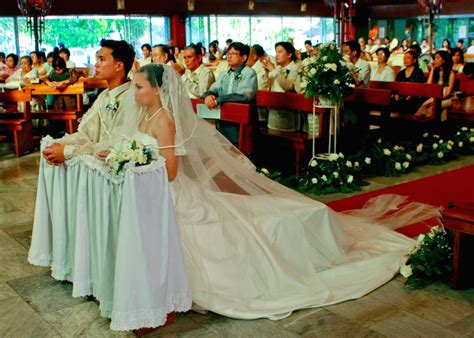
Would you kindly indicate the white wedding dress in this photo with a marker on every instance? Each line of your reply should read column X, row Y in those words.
column 253, row 256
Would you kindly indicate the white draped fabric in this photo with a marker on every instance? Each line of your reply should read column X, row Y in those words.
column 115, row 239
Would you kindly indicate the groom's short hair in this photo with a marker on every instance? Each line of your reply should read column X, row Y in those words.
column 121, row 51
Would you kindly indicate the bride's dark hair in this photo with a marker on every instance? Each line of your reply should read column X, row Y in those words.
column 154, row 74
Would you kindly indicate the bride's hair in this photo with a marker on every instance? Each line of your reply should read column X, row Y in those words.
column 154, row 74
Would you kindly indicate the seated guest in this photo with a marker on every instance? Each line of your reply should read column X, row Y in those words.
column 404, row 47
column 66, row 54
column 165, row 55
column 383, row 72
column 197, row 78
column 179, row 56
column 363, row 46
column 470, row 50
column 257, row 54
column 39, row 64
column 446, row 46
column 146, row 50
column 25, row 72
column 308, row 46
column 458, row 60
column 282, row 77
column 60, row 78
column 425, row 48
column 441, row 73
column 461, row 46
column 238, row 84
column 361, row 70
column 213, row 52
column 378, row 44
column 411, row 73
column 9, row 67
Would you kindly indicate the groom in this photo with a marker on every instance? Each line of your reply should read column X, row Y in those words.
column 106, row 116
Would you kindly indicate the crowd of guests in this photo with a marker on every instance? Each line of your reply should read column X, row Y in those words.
column 235, row 72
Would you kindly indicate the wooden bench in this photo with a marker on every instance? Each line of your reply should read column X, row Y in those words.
column 423, row 90
column 299, row 141
column 68, row 115
column 464, row 112
column 19, row 123
column 239, row 113
column 372, row 107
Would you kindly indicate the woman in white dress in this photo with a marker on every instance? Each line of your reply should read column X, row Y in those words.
column 254, row 248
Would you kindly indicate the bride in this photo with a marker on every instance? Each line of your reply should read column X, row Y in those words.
column 254, row 248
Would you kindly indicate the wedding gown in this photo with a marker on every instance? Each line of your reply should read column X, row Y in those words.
column 254, row 256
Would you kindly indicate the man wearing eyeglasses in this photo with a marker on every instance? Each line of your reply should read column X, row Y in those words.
column 238, row 84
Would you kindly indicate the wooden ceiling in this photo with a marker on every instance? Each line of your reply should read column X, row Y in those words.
column 365, row 8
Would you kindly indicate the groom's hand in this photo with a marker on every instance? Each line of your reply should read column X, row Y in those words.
column 54, row 154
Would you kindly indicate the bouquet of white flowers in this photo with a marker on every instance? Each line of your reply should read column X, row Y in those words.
column 128, row 153
column 328, row 75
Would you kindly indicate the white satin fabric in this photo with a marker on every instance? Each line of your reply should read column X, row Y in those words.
column 265, row 255
column 115, row 239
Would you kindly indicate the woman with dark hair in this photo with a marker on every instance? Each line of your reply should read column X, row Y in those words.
column 458, row 60
column 446, row 46
column 213, row 52
column 39, row 64
column 441, row 73
column 411, row 73
column 25, row 72
column 383, row 72
column 9, row 67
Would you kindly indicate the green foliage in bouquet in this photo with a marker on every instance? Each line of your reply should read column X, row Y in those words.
column 327, row 75
column 430, row 258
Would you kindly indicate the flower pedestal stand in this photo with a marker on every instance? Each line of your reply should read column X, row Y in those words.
column 334, row 112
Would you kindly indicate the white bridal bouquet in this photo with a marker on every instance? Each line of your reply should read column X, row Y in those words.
column 128, row 153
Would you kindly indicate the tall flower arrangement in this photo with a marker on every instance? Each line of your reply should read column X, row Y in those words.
column 328, row 75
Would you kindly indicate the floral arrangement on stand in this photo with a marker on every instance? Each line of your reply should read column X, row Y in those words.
column 430, row 258
column 126, row 154
column 327, row 76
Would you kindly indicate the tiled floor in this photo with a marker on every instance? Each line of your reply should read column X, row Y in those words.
column 33, row 304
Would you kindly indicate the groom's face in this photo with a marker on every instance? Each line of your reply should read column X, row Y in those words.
column 106, row 67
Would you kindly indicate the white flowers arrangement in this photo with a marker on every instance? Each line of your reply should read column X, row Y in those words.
column 430, row 258
column 328, row 75
column 128, row 153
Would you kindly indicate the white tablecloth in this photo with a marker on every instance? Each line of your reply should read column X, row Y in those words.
column 115, row 239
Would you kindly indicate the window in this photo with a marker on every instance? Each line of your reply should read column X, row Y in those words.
column 7, row 35
column 263, row 30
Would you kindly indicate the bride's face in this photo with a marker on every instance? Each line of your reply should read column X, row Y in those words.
column 145, row 94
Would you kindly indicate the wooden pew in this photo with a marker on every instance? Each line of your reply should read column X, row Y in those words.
column 17, row 122
column 423, row 90
column 239, row 113
column 463, row 111
column 297, row 140
column 372, row 107
column 93, row 83
column 68, row 115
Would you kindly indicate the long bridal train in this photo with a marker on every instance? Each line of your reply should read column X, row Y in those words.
column 269, row 253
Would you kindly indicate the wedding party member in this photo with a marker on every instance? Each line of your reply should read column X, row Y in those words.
column 254, row 248
column 238, row 84
column 197, row 77
column 105, row 120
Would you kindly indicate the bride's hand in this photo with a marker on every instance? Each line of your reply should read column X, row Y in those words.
column 102, row 155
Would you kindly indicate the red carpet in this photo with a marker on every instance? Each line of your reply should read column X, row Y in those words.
column 438, row 190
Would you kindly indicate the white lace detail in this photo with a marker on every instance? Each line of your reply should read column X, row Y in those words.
column 122, row 321
column 100, row 166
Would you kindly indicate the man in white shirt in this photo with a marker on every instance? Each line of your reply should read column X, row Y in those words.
column 66, row 54
column 104, row 120
column 197, row 78
column 257, row 54
column 283, row 78
column 361, row 72
column 146, row 50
